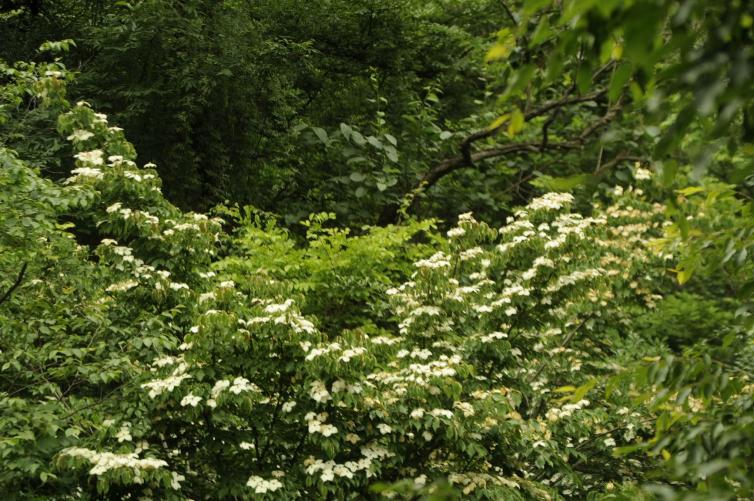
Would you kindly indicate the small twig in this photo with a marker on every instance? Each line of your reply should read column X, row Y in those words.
column 621, row 157
column 599, row 159
column 15, row 284
column 509, row 12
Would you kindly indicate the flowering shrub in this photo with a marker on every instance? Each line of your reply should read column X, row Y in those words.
column 138, row 362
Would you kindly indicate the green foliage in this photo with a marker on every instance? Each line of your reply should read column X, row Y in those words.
column 597, row 345
column 339, row 278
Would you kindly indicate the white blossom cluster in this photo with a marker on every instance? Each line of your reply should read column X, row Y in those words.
column 168, row 384
column 105, row 461
column 262, row 486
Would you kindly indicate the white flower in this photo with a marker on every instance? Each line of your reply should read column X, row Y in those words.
column 87, row 172
column 352, row 352
column 175, row 481
column 456, row 232
column 113, row 208
column 80, row 135
column 319, row 392
column 466, row 408
column 242, row 384
column 342, row 471
column 609, row 442
column 441, row 413
column 642, row 174
column 219, row 387
column 94, row 157
column 466, row 217
column 327, row 430
column 417, row 413
column 124, row 434
column 168, row 384
column 550, row 201
column 246, row 446
column 122, row 286
column 438, row 260
column 262, row 486
column 106, row 461
column 278, row 308
column 338, row 386
column 191, row 400
column 384, row 428
column 288, row 406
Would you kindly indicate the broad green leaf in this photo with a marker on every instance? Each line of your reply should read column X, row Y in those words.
column 391, row 153
column 320, row 133
column 516, row 122
column 346, row 130
column 622, row 73
column 499, row 121
column 506, row 42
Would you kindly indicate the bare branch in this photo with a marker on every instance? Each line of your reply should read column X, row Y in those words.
column 15, row 284
column 509, row 12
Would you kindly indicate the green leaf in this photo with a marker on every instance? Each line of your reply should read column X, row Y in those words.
column 320, row 133
column 506, row 42
column 584, row 77
column 516, row 122
column 684, row 276
column 690, row 190
column 374, row 142
column 391, row 153
column 562, row 183
column 346, row 130
column 498, row 122
column 622, row 73
column 357, row 138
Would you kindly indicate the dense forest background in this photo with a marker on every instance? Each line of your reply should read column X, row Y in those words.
column 349, row 249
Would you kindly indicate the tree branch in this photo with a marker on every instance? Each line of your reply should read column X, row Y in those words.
column 467, row 158
column 15, row 284
column 509, row 12
column 542, row 110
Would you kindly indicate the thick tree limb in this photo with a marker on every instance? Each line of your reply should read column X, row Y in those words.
column 467, row 158
column 542, row 110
